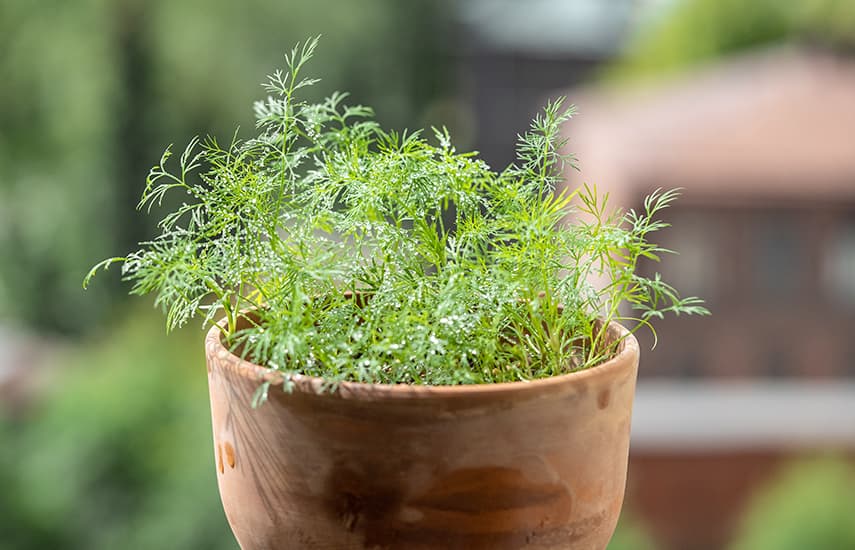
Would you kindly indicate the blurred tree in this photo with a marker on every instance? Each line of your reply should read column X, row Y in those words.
column 694, row 31
column 57, row 102
column 94, row 89
column 808, row 505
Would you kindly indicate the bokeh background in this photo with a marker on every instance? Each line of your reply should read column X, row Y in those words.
column 744, row 427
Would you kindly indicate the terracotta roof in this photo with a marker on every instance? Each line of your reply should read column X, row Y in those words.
column 773, row 124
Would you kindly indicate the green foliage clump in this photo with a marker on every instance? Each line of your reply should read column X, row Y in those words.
column 109, row 457
column 377, row 256
column 809, row 504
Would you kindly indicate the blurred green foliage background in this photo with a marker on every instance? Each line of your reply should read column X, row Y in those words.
column 115, row 451
column 93, row 90
column 807, row 504
column 118, row 454
column 699, row 31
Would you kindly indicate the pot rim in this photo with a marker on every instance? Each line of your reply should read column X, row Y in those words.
column 626, row 358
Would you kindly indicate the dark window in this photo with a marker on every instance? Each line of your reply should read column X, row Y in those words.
column 778, row 256
column 693, row 270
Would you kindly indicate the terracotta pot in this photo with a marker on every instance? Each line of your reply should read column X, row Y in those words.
column 537, row 464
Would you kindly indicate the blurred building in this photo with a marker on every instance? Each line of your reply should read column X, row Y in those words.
column 764, row 147
column 513, row 55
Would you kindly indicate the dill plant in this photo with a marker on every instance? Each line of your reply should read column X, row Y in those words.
column 334, row 248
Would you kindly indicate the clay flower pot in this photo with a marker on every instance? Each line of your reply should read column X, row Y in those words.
column 538, row 464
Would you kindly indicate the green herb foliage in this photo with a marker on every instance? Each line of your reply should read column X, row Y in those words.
column 384, row 257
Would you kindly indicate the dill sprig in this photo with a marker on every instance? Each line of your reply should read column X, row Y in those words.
column 377, row 256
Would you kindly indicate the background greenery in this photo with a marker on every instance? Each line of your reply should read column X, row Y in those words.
column 119, row 453
column 93, row 89
column 698, row 31
column 808, row 504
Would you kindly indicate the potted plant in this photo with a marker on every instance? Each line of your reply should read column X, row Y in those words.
column 435, row 345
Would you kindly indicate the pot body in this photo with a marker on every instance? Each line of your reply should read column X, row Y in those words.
column 538, row 464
